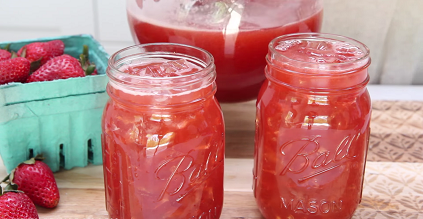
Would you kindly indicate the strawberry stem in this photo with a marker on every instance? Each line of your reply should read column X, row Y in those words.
column 14, row 55
column 9, row 187
column 39, row 157
column 83, row 60
column 90, row 69
column 23, row 53
column 6, row 178
column 30, row 161
column 35, row 65
column 7, row 47
column 85, row 51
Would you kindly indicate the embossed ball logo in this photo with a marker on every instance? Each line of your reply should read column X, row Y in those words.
column 183, row 174
column 308, row 154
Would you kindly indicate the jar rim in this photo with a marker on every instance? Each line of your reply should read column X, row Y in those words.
column 162, row 90
column 328, row 36
column 207, row 66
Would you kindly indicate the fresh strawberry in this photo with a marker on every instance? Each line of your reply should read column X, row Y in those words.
column 43, row 51
column 60, row 67
column 36, row 179
column 14, row 70
column 15, row 204
column 57, row 47
column 4, row 55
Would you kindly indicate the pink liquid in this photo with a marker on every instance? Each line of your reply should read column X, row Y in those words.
column 239, row 56
column 311, row 145
column 162, row 162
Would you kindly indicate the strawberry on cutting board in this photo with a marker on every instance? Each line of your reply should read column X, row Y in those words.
column 14, row 70
column 42, row 51
column 15, row 204
column 36, row 179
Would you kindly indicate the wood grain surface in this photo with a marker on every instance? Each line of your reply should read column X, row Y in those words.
column 393, row 185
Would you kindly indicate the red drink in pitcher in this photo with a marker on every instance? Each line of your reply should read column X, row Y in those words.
column 312, row 127
column 163, row 134
column 236, row 34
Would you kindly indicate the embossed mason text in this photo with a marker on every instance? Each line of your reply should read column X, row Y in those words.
column 311, row 205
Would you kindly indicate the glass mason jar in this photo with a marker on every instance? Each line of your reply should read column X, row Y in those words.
column 235, row 32
column 312, row 127
column 163, row 134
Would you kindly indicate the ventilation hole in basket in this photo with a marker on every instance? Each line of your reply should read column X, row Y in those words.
column 90, row 151
column 62, row 157
column 31, row 153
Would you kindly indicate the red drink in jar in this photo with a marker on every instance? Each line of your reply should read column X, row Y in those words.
column 312, row 127
column 237, row 34
column 163, row 134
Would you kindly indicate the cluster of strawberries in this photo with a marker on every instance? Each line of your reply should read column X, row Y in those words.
column 36, row 185
column 42, row 61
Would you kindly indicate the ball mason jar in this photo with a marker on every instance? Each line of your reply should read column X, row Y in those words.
column 162, row 134
column 235, row 32
column 312, row 127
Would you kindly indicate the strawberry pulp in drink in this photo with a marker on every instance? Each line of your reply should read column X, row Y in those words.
column 312, row 129
column 163, row 146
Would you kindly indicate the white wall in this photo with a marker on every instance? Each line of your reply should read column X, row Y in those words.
column 104, row 19
column 392, row 29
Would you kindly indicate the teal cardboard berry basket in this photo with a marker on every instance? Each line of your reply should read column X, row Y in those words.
column 60, row 119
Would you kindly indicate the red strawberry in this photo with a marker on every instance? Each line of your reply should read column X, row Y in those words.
column 36, row 179
column 61, row 67
column 15, row 204
column 42, row 50
column 57, row 47
column 4, row 55
column 14, row 70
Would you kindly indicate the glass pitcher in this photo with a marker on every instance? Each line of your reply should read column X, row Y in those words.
column 235, row 32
